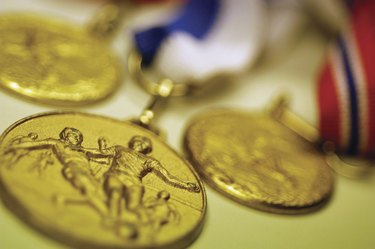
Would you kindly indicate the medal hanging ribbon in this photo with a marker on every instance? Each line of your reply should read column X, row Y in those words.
column 205, row 38
column 346, row 88
column 152, row 1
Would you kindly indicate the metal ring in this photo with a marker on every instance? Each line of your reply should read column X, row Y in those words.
column 360, row 169
column 135, row 70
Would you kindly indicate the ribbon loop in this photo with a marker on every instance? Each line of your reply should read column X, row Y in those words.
column 206, row 38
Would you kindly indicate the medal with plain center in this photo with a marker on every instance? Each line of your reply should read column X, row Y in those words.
column 95, row 182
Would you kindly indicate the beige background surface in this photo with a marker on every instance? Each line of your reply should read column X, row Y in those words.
column 347, row 222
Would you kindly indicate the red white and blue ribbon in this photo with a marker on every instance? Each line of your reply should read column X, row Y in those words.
column 346, row 89
column 205, row 38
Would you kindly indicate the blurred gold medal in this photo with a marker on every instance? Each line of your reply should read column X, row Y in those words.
column 95, row 182
column 56, row 62
column 255, row 160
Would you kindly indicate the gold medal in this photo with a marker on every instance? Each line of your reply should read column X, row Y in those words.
column 56, row 62
column 252, row 158
column 95, row 182
column 255, row 160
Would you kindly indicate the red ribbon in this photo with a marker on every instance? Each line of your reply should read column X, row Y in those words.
column 346, row 87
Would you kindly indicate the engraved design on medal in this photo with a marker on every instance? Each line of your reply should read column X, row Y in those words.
column 54, row 62
column 256, row 161
column 108, row 179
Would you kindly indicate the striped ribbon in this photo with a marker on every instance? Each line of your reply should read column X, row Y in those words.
column 152, row 1
column 196, row 19
column 346, row 88
column 206, row 37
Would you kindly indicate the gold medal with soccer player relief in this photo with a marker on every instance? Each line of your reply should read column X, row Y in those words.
column 255, row 160
column 55, row 62
column 95, row 182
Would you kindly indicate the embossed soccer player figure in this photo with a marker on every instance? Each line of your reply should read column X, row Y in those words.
column 123, row 180
column 43, row 162
column 12, row 157
column 160, row 212
column 76, row 168
column 103, row 144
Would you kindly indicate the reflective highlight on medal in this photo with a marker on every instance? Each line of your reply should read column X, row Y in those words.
column 121, row 184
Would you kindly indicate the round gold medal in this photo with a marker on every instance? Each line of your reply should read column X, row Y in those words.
column 54, row 62
column 256, row 161
column 94, row 182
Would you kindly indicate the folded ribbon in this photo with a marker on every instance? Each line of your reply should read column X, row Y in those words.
column 207, row 37
column 346, row 88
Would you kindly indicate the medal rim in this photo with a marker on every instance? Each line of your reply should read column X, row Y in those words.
column 16, row 207
column 251, row 203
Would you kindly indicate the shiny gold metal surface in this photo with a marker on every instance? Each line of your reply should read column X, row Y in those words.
column 55, row 62
column 135, row 70
column 94, row 182
column 257, row 161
